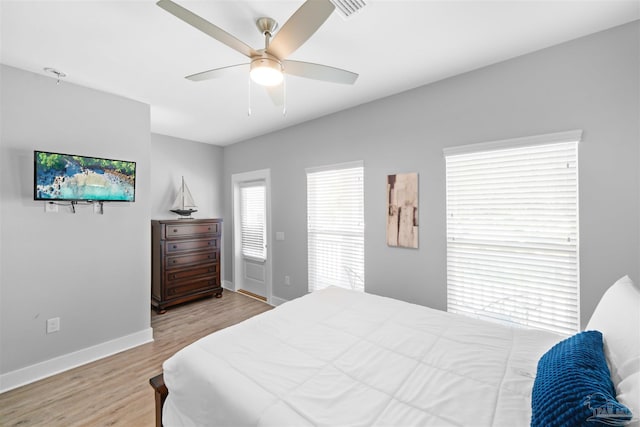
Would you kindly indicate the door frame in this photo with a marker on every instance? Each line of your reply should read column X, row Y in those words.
column 236, row 261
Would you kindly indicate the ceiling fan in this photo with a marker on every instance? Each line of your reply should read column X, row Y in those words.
column 268, row 65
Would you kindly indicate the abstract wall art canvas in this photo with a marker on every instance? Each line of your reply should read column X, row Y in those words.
column 402, row 210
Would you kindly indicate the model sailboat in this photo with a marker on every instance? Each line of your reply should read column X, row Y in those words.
column 184, row 204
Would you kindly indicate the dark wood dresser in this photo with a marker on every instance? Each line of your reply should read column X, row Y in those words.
column 185, row 261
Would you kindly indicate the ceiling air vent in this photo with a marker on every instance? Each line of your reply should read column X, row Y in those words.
column 348, row 7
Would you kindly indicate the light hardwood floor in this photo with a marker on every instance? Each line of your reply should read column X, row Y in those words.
column 115, row 391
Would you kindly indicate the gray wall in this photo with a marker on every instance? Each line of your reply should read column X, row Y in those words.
column 90, row 270
column 590, row 84
column 201, row 166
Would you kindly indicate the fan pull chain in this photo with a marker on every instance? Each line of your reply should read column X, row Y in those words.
column 249, row 97
column 284, row 97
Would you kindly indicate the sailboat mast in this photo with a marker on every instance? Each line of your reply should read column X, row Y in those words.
column 182, row 193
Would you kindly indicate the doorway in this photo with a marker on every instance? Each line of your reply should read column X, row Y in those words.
column 251, row 233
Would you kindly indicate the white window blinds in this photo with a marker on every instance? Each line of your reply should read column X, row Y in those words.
column 335, row 226
column 253, row 220
column 512, row 233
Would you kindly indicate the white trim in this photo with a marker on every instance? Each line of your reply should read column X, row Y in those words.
column 549, row 138
column 228, row 284
column 236, row 180
column 38, row 371
column 276, row 301
column 337, row 166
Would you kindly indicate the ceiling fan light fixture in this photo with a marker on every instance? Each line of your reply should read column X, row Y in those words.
column 266, row 71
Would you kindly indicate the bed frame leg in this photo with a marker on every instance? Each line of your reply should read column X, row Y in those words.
column 161, row 394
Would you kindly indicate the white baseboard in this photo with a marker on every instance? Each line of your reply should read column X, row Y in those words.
column 275, row 301
column 29, row 374
column 228, row 285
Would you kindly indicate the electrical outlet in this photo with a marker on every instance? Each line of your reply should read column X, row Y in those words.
column 53, row 325
column 287, row 280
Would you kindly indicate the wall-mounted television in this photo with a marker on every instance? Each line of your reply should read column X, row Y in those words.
column 68, row 177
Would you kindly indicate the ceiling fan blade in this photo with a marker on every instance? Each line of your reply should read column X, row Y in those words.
column 206, row 27
column 319, row 72
column 276, row 93
column 215, row 73
column 302, row 24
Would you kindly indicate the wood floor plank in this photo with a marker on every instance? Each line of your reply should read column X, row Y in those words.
column 115, row 391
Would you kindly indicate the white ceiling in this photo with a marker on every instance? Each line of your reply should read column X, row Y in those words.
column 139, row 51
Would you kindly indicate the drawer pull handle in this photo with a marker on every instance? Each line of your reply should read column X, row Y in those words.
column 175, row 230
column 175, row 246
column 174, row 261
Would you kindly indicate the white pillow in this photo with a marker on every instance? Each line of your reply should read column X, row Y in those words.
column 617, row 316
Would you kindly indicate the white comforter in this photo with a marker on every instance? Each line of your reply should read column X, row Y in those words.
column 344, row 358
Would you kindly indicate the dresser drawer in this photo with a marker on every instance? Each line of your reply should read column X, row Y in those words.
column 184, row 288
column 207, row 270
column 190, row 245
column 178, row 231
column 177, row 261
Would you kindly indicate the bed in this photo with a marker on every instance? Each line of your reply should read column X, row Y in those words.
column 343, row 358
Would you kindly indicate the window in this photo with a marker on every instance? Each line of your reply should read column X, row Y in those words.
column 512, row 231
column 252, row 220
column 335, row 226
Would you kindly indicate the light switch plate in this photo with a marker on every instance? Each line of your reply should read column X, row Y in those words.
column 53, row 325
column 279, row 235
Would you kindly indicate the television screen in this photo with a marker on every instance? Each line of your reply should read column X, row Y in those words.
column 78, row 178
